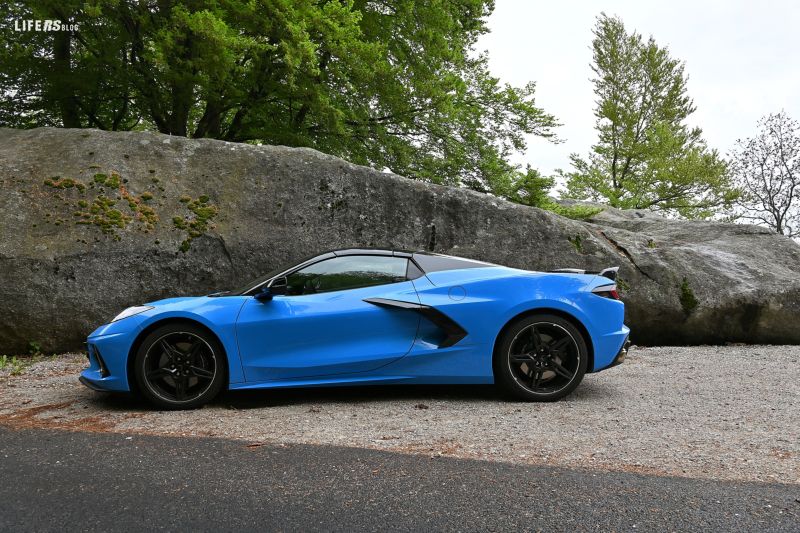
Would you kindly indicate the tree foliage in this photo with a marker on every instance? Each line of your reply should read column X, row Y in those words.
column 646, row 157
column 394, row 84
column 767, row 169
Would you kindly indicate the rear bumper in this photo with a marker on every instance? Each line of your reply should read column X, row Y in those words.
column 608, row 346
column 613, row 351
column 623, row 353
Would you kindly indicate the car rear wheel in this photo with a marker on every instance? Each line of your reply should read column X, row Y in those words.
column 180, row 366
column 540, row 358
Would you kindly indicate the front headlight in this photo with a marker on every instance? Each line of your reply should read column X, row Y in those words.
column 135, row 310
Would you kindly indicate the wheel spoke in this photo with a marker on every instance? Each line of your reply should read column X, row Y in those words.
column 536, row 338
column 160, row 373
column 559, row 369
column 560, row 344
column 536, row 378
column 181, row 384
column 201, row 372
column 520, row 358
column 196, row 351
column 169, row 351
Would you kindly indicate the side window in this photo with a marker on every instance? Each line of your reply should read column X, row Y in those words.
column 348, row 272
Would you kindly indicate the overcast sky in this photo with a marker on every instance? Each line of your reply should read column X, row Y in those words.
column 742, row 58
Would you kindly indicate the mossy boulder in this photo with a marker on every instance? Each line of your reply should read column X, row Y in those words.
column 94, row 221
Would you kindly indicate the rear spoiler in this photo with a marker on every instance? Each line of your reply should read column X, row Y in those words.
column 610, row 273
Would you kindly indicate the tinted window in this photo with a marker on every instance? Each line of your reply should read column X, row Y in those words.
column 437, row 263
column 262, row 279
column 348, row 272
column 413, row 271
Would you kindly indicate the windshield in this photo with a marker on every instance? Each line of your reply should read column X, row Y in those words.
column 261, row 279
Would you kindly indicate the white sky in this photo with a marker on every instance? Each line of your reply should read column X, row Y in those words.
column 742, row 59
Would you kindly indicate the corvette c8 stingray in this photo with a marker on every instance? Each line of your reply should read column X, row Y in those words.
column 359, row 317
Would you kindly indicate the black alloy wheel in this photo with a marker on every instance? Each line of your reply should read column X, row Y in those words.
column 179, row 366
column 541, row 357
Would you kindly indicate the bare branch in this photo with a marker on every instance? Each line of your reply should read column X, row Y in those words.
column 767, row 169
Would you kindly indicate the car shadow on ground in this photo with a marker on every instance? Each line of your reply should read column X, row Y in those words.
column 589, row 391
column 254, row 399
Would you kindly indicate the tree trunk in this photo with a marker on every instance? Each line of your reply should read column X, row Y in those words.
column 209, row 124
column 61, row 80
column 182, row 94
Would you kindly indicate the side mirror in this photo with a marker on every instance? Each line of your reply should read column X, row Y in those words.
column 279, row 286
column 264, row 296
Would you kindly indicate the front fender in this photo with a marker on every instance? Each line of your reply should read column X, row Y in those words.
column 116, row 340
column 220, row 321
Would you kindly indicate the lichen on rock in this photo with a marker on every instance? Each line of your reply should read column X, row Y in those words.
column 199, row 222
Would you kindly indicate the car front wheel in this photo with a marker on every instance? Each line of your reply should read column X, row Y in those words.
column 179, row 366
column 540, row 358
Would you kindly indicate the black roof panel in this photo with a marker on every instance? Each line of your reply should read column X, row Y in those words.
column 371, row 251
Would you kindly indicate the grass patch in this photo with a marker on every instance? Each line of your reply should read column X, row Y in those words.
column 15, row 365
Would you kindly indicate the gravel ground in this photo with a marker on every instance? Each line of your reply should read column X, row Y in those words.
column 730, row 413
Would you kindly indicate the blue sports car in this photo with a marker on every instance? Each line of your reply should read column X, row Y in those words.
column 359, row 317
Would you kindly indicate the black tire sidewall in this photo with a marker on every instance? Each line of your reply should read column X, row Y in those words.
column 221, row 370
column 502, row 371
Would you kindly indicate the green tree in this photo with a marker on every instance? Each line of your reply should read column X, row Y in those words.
column 646, row 157
column 394, row 84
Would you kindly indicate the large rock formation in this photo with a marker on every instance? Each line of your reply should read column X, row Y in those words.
column 92, row 221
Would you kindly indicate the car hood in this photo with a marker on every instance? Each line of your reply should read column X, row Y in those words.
column 185, row 300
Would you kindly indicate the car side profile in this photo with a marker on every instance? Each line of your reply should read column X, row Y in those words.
column 367, row 317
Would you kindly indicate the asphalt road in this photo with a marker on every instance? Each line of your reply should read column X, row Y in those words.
column 58, row 480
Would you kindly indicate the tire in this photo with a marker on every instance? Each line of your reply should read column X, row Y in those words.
column 540, row 358
column 180, row 366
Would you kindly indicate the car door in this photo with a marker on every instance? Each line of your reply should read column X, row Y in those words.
column 322, row 326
